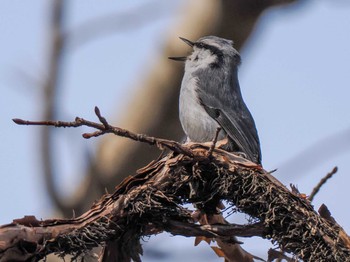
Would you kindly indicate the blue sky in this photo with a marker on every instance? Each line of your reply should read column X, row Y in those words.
column 294, row 77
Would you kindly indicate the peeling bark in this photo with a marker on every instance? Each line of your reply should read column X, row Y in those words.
column 152, row 201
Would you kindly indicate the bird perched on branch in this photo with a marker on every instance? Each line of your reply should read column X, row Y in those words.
column 210, row 97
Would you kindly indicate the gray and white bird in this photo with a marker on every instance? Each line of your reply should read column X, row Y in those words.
column 210, row 97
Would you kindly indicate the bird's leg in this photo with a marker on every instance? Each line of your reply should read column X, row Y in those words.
column 213, row 143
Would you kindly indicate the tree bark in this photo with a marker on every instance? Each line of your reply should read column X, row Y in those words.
column 152, row 201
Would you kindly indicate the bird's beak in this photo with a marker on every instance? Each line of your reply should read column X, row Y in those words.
column 182, row 58
column 190, row 43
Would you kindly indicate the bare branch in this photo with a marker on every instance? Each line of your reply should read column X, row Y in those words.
column 51, row 89
column 218, row 230
column 105, row 128
column 116, row 22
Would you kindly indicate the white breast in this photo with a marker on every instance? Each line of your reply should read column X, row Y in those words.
column 195, row 121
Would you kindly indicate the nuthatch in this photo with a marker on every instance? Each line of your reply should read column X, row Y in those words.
column 210, row 97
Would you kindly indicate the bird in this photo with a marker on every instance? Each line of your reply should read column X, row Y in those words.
column 211, row 98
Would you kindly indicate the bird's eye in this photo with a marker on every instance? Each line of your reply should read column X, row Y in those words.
column 199, row 45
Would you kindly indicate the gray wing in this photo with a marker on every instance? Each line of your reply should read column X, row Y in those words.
column 227, row 107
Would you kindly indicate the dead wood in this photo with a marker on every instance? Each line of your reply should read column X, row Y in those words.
column 151, row 201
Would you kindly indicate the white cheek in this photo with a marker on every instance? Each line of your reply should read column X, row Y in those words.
column 199, row 60
column 207, row 60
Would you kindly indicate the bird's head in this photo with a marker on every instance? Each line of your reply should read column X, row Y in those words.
column 210, row 51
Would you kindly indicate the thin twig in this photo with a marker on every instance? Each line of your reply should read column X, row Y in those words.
column 19, row 121
column 105, row 128
column 321, row 183
column 101, row 118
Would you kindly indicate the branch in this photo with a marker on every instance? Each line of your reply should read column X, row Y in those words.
column 105, row 128
column 190, row 230
column 51, row 93
column 152, row 201
column 116, row 22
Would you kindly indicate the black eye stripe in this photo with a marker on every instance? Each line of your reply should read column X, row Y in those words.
column 211, row 48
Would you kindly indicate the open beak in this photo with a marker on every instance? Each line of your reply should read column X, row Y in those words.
column 182, row 58
column 190, row 43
